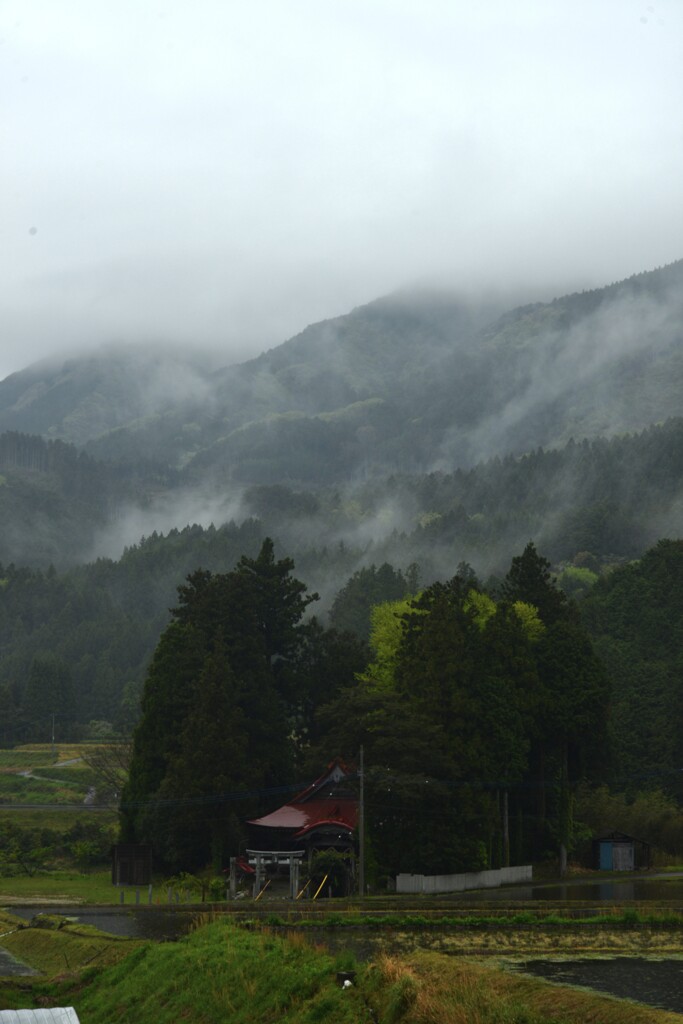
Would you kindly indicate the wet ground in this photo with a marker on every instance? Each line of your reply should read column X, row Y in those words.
column 656, row 982
column 160, row 925
column 9, row 967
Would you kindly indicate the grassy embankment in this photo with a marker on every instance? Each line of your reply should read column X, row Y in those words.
column 56, row 945
column 225, row 973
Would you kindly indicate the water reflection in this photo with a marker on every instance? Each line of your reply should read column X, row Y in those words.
column 613, row 891
column 657, row 982
column 10, row 967
column 160, row 925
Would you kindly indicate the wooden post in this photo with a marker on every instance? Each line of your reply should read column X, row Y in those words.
column 233, row 878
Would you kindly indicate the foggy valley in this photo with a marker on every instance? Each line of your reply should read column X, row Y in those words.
column 341, row 424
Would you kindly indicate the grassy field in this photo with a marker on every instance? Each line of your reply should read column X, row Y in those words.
column 44, row 819
column 20, row 760
column 429, row 987
column 57, row 776
column 60, row 887
column 34, row 755
column 223, row 973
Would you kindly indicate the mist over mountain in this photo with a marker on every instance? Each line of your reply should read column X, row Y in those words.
column 80, row 397
column 414, row 434
column 410, row 382
column 413, row 384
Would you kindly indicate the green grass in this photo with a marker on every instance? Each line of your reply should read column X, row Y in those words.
column 70, row 886
column 59, row 820
column 22, row 759
column 224, row 973
column 18, row 789
column 619, row 918
column 77, row 774
column 219, row 973
column 428, row 987
column 59, row 946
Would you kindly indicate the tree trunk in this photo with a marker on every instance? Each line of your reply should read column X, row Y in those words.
column 506, row 830
column 565, row 810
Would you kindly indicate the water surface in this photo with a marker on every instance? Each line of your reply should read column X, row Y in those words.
column 161, row 925
column 656, row 982
column 613, row 891
column 11, row 967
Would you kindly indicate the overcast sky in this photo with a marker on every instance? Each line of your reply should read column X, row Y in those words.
column 224, row 173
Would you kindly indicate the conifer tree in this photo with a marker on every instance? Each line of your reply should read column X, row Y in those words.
column 217, row 706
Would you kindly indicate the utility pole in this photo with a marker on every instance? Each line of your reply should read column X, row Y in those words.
column 361, row 829
column 53, row 738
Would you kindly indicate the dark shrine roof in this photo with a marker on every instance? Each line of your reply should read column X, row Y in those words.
column 316, row 806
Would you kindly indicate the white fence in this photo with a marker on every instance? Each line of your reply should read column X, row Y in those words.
column 458, row 883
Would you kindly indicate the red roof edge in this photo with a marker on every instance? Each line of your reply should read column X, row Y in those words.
column 307, row 793
column 324, row 821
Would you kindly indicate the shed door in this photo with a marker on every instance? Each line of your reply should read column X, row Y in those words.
column 623, row 857
column 606, row 856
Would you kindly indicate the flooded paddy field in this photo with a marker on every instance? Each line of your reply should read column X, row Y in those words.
column 643, row 962
column 655, row 982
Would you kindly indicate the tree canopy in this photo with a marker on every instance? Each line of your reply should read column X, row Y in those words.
column 218, row 709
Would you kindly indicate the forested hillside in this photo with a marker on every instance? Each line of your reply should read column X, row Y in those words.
column 635, row 616
column 98, row 625
column 409, row 450
column 55, row 501
column 610, row 497
column 413, row 383
column 79, row 398
column 409, row 383
column 467, row 701
column 589, row 506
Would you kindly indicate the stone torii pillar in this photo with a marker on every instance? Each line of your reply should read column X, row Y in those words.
column 259, row 874
column 294, row 866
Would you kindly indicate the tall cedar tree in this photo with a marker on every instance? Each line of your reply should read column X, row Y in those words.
column 529, row 579
column 570, row 735
column 247, row 621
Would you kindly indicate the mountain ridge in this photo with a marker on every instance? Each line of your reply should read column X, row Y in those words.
column 409, row 382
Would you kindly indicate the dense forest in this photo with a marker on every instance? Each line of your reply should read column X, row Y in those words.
column 589, row 506
column 611, row 497
column 474, row 712
column 415, row 463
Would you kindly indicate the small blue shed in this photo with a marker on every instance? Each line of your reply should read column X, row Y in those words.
column 616, row 851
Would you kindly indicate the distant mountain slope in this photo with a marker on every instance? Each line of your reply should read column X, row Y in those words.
column 438, row 393
column 82, row 397
column 590, row 364
column 375, row 353
column 408, row 383
column 55, row 501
